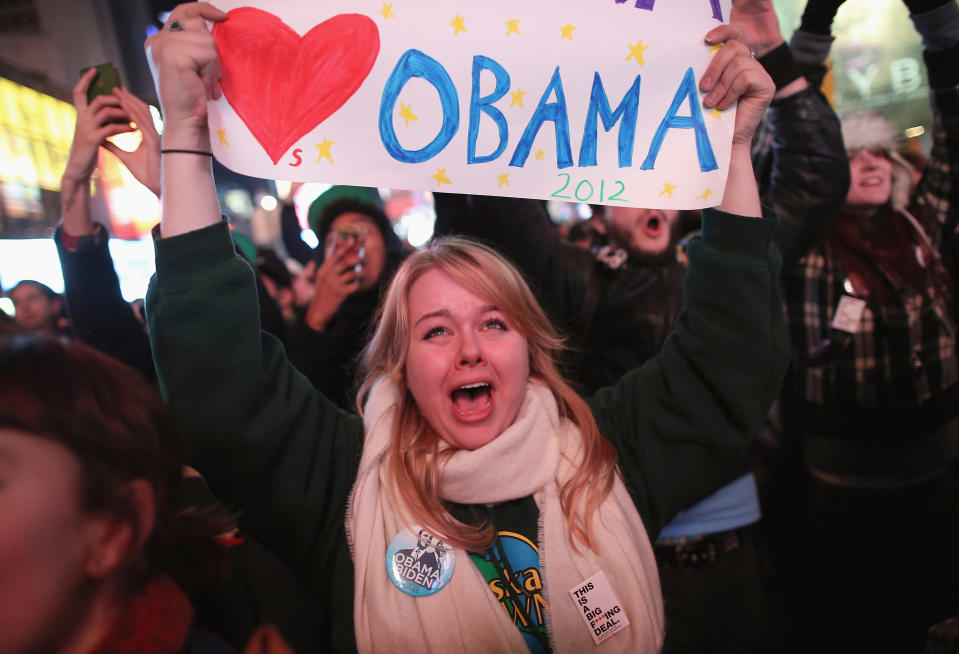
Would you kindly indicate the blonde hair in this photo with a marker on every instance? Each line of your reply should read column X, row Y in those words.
column 414, row 459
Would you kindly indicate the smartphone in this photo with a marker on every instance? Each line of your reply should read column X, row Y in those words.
column 341, row 238
column 107, row 79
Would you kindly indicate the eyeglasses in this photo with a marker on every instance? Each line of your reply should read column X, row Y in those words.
column 348, row 235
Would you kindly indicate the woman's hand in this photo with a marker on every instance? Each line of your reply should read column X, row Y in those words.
column 96, row 121
column 92, row 128
column 759, row 24
column 734, row 76
column 186, row 70
column 336, row 279
column 144, row 162
column 760, row 28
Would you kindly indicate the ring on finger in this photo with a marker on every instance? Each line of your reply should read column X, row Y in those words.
column 175, row 26
column 752, row 53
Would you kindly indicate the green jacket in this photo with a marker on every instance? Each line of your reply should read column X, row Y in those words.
column 269, row 445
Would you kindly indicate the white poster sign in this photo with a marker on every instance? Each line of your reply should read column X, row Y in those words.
column 582, row 101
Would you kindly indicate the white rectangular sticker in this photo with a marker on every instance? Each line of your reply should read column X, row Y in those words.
column 848, row 314
column 599, row 607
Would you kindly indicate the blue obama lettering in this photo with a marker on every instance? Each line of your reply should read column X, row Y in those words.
column 649, row 4
column 554, row 112
column 412, row 64
column 627, row 112
column 419, row 572
column 484, row 105
column 694, row 121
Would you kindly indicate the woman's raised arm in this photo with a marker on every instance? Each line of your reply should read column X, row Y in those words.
column 186, row 71
column 733, row 76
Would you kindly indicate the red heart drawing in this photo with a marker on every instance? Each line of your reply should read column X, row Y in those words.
column 282, row 85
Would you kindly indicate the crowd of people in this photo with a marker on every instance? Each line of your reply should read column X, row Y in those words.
column 742, row 439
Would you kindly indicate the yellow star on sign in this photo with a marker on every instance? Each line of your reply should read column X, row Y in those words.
column 503, row 179
column 636, row 52
column 567, row 31
column 512, row 26
column 406, row 112
column 668, row 189
column 539, row 154
column 387, row 10
column 457, row 24
column 705, row 194
column 441, row 177
column 323, row 150
column 517, row 98
column 716, row 113
column 221, row 134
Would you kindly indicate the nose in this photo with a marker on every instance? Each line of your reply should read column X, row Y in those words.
column 350, row 245
column 470, row 352
column 868, row 158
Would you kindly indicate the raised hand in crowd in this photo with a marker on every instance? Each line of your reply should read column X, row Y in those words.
column 734, row 76
column 144, row 161
column 338, row 277
column 186, row 70
column 760, row 29
column 96, row 122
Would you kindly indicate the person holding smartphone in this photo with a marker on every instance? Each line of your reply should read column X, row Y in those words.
column 360, row 251
column 99, row 314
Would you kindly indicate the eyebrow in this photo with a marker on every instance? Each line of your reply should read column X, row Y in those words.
column 443, row 313
column 433, row 314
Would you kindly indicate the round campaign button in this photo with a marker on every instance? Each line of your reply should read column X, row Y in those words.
column 418, row 563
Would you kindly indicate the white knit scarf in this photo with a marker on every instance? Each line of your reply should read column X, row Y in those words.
column 532, row 457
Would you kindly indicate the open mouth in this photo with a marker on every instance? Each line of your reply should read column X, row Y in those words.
column 471, row 400
column 872, row 181
column 653, row 225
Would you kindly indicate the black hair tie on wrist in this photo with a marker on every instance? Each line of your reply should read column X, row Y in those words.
column 205, row 153
column 781, row 65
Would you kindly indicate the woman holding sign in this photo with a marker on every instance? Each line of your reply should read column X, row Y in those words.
column 872, row 431
column 479, row 504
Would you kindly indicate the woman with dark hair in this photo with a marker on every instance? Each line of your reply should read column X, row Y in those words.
column 869, row 405
column 91, row 544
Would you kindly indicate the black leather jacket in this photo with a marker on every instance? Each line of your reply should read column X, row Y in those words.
column 802, row 168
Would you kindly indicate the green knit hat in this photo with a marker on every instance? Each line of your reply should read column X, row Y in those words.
column 364, row 194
